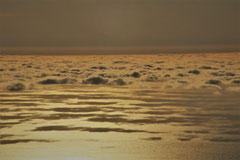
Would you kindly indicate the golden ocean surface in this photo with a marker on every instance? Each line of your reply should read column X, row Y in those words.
column 115, row 107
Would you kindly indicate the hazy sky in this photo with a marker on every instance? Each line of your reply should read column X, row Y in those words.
column 119, row 22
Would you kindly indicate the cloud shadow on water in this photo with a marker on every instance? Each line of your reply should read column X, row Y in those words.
column 88, row 129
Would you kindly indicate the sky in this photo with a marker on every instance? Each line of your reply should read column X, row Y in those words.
column 119, row 22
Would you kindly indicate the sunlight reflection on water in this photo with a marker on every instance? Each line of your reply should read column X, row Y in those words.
column 115, row 123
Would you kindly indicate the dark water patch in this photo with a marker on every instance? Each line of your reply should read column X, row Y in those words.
column 84, row 109
column 121, row 62
column 158, row 68
column 223, row 107
column 43, row 75
column 36, row 109
column 61, row 81
column 1, row 127
column 147, row 104
column 206, row 67
column 88, row 129
column 93, row 103
column 108, row 118
column 152, row 78
column 10, row 123
column 230, row 74
column 119, row 68
column 99, row 67
column 231, row 132
column 67, row 81
column 87, row 109
column 223, row 139
column 9, row 110
column 14, row 117
column 20, row 104
column 187, row 137
column 184, row 139
column 183, row 93
column 183, row 82
column 63, row 116
column 153, row 138
column 231, row 126
column 118, row 81
column 180, row 67
column 95, row 80
column 160, row 112
column 181, row 75
column 79, row 91
column 12, row 69
column 197, row 131
column 169, row 101
column 233, row 117
column 146, row 92
column 148, row 66
column 64, row 71
column 105, row 75
column 152, row 120
column 2, row 136
column 151, row 102
column 136, row 75
column 49, row 81
column 111, row 109
column 15, row 100
column 16, row 87
column 61, row 97
column 194, row 71
column 159, row 62
column 190, row 120
column 74, row 110
column 212, row 81
column 236, row 82
column 14, row 141
column 56, row 75
column 56, row 128
column 217, row 74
